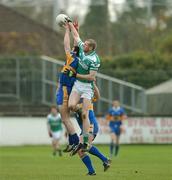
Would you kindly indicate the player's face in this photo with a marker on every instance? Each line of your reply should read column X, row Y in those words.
column 54, row 111
column 86, row 47
column 115, row 103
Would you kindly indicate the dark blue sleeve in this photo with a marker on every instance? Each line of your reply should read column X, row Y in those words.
column 122, row 111
column 110, row 111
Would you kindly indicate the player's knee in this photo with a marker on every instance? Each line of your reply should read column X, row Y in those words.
column 71, row 107
column 84, row 115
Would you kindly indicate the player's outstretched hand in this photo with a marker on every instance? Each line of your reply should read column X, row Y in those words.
column 76, row 25
column 66, row 26
column 68, row 19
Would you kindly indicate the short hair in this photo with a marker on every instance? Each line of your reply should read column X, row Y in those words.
column 116, row 101
column 76, row 50
column 53, row 107
column 92, row 43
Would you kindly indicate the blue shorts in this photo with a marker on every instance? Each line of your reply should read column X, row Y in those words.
column 63, row 94
column 115, row 127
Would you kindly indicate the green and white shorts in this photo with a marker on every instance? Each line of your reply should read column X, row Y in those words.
column 85, row 90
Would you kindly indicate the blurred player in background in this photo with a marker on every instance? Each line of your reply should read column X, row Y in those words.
column 88, row 66
column 54, row 124
column 93, row 133
column 66, row 81
column 115, row 116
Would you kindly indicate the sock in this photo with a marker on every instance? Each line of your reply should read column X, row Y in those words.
column 94, row 151
column 111, row 148
column 74, row 139
column 70, row 139
column 85, row 138
column 60, row 152
column 87, row 161
column 116, row 150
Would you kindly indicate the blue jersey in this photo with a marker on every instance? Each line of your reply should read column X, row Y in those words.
column 116, row 114
column 67, row 79
column 115, row 117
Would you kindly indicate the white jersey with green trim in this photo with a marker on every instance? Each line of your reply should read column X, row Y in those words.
column 55, row 122
column 87, row 62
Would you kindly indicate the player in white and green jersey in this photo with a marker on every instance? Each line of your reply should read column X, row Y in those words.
column 54, row 124
column 83, row 88
column 89, row 61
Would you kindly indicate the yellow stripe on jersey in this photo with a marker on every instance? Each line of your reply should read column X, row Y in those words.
column 67, row 66
column 114, row 118
column 69, row 58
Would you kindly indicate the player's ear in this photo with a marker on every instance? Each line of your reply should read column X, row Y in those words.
column 90, row 48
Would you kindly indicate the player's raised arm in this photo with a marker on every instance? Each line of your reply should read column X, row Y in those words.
column 67, row 47
column 76, row 25
column 74, row 32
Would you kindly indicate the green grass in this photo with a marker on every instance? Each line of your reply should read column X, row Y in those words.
column 135, row 162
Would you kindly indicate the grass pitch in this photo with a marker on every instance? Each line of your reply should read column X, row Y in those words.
column 135, row 162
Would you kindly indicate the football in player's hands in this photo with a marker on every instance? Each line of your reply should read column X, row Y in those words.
column 62, row 19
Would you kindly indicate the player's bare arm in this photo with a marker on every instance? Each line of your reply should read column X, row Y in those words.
column 76, row 25
column 74, row 32
column 90, row 77
column 67, row 47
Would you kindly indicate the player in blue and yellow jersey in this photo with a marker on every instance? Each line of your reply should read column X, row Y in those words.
column 93, row 133
column 66, row 80
column 115, row 116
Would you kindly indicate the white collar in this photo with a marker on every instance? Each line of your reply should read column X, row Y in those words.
column 116, row 108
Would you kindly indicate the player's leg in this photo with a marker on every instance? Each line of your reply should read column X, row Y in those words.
column 87, row 161
column 74, row 99
column 62, row 101
column 117, row 144
column 85, row 120
column 64, row 112
column 54, row 147
column 93, row 133
column 73, row 137
column 55, row 143
column 117, row 132
column 57, row 147
column 112, row 143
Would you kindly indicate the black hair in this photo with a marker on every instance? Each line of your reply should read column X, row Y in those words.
column 76, row 50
